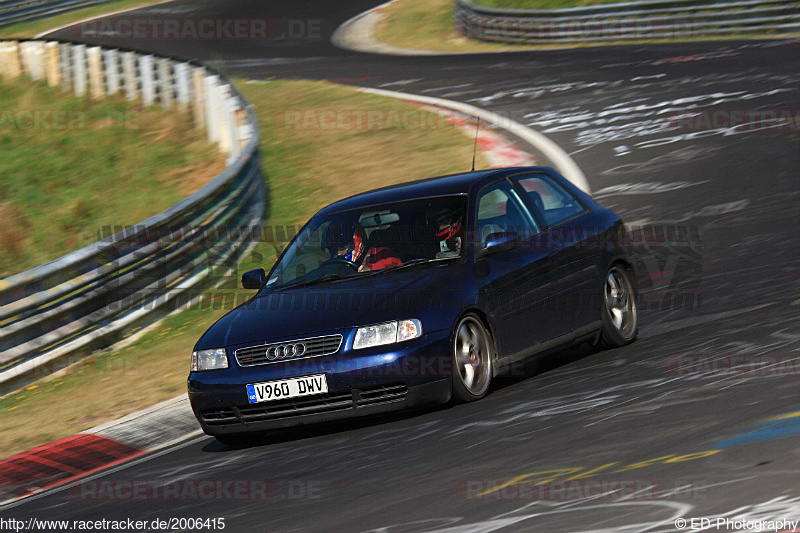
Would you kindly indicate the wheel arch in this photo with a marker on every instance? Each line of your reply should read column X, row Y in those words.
column 626, row 265
column 487, row 324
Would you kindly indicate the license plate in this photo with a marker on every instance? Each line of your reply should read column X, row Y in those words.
column 287, row 388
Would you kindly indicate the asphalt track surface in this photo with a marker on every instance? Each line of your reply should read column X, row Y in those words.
column 631, row 416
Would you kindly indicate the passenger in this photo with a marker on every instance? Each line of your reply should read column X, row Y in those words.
column 346, row 243
column 449, row 230
column 380, row 257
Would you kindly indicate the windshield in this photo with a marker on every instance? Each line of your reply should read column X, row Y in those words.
column 373, row 239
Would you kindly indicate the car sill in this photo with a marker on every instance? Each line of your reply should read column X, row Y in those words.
column 549, row 345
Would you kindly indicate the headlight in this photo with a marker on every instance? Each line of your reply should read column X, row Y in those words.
column 387, row 333
column 209, row 359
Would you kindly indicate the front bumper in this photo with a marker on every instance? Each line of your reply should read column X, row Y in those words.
column 360, row 383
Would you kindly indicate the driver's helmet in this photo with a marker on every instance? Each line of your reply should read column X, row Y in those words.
column 344, row 241
column 448, row 229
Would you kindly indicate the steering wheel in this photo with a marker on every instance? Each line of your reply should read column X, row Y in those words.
column 342, row 261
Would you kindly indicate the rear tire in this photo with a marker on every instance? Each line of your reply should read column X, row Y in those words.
column 471, row 359
column 620, row 316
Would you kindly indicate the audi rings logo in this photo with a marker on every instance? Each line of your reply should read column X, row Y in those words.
column 285, row 351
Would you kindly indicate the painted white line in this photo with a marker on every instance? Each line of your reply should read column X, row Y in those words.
column 561, row 159
column 59, row 28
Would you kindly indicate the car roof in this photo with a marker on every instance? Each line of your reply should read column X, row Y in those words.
column 451, row 184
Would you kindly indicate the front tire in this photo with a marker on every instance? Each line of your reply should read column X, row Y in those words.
column 472, row 360
column 620, row 316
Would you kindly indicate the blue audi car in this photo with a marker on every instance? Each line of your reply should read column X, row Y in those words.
column 414, row 294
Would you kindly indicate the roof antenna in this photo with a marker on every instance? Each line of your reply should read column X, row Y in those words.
column 475, row 146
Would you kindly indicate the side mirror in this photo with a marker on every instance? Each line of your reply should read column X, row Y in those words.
column 501, row 241
column 254, row 279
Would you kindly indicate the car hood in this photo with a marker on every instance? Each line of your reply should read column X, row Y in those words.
column 424, row 292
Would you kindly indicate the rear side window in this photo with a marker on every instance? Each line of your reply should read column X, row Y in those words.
column 554, row 203
column 501, row 210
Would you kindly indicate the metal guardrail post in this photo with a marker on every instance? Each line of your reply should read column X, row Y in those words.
column 225, row 119
column 111, row 70
column 148, row 79
column 65, row 66
column 53, row 70
column 79, row 69
column 199, row 104
column 13, row 62
column 232, row 125
column 165, row 81
column 210, row 84
column 37, row 61
column 130, row 81
column 25, row 57
column 94, row 60
column 183, row 86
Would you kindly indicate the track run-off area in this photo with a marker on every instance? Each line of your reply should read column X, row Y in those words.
column 631, row 439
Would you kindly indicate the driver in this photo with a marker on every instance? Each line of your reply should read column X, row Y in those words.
column 449, row 230
column 344, row 242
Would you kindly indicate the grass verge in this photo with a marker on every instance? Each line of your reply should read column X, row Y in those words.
column 428, row 25
column 71, row 165
column 314, row 151
column 26, row 30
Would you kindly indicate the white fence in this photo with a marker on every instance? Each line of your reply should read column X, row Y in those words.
column 170, row 83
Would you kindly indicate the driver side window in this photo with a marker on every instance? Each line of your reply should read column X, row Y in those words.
column 304, row 258
column 500, row 210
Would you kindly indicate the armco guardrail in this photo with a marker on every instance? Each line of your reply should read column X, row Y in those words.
column 647, row 19
column 26, row 10
column 56, row 313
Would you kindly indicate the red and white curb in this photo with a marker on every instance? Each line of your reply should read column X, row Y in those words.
column 86, row 453
column 497, row 148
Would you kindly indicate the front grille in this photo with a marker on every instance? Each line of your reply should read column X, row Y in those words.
column 323, row 403
column 219, row 417
column 381, row 394
column 296, row 406
column 277, row 352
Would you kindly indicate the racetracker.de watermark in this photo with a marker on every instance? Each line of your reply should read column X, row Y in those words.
column 196, row 490
column 362, row 120
column 579, row 489
column 41, row 119
column 783, row 365
column 204, row 29
column 734, row 119
column 60, row 119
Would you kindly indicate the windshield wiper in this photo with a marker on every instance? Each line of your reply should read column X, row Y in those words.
column 336, row 277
